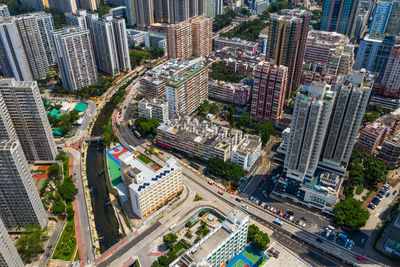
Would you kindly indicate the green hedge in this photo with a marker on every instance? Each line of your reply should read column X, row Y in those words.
column 67, row 242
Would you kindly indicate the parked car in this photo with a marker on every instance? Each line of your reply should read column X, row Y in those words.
column 281, row 214
column 290, row 212
column 291, row 218
column 244, row 206
column 238, row 199
column 303, row 218
column 379, row 195
column 394, row 193
column 371, row 206
column 319, row 240
column 388, row 194
column 221, row 193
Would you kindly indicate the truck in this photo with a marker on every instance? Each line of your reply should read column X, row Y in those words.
column 277, row 221
column 130, row 123
column 137, row 134
column 343, row 236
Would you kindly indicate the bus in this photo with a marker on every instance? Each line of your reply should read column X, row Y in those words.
column 359, row 257
column 137, row 134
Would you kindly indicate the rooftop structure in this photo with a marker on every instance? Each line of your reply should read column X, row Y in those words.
column 247, row 152
column 152, row 84
column 285, row 257
column 200, row 138
column 153, row 108
column 240, row 54
column 222, row 244
column 221, row 42
column 236, row 93
column 149, row 185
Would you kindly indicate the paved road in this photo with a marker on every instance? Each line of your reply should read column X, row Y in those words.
column 127, row 247
column 51, row 244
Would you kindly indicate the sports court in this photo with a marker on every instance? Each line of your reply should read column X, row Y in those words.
column 249, row 257
column 115, row 172
column 115, row 152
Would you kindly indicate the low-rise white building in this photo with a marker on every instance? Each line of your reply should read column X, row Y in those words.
column 148, row 185
column 247, row 152
column 154, row 108
column 221, row 245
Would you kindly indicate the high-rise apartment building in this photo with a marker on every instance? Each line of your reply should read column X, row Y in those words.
column 187, row 89
column 87, row 4
column 329, row 52
column 105, row 46
column 7, row 130
column 121, row 39
column 380, row 16
column 77, row 18
column 179, row 40
column 75, row 58
column 20, row 204
column 352, row 95
column 4, row 12
column 144, row 11
column 35, row 4
column 13, row 60
column 312, row 108
column 179, row 10
column 161, row 10
column 130, row 12
column 63, row 6
column 33, row 45
column 269, row 91
column 393, row 25
column 390, row 80
column 202, row 36
column 190, row 38
column 286, row 43
column 46, row 27
column 374, row 52
column 339, row 16
column 25, row 108
column 8, row 253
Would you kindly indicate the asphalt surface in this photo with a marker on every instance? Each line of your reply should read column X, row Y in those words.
column 51, row 244
column 128, row 246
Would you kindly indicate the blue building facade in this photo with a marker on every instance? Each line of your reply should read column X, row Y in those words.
column 380, row 16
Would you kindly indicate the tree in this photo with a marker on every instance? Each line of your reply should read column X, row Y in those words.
column 58, row 207
column 170, row 239
column 54, row 170
column 216, row 166
column 247, row 30
column 213, row 109
column 221, row 72
column 30, row 242
column 61, row 155
column 233, row 171
column 375, row 171
column 108, row 133
column 189, row 234
column 356, row 174
column 203, row 108
column 265, row 130
column 252, row 231
column 58, row 17
column 70, row 213
column 261, row 241
column 147, row 126
column 350, row 213
column 155, row 52
column 223, row 20
column 67, row 190
column 245, row 120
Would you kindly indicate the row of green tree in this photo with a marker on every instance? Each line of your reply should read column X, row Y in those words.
column 221, row 72
column 147, row 127
column 375, row 112
column 207, row 107
column 65, row 122
column 223, row 20
column 229, row 171
column 274, row 7
column 258, row 237
column 247, row 30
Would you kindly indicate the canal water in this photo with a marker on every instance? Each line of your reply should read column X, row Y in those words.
column 105, row 220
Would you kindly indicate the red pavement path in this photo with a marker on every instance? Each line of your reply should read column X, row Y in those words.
column 78, row 230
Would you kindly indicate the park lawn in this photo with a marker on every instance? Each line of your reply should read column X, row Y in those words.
column 144, row 159
column 41, row 183
column 66, row 167
column 66, row 244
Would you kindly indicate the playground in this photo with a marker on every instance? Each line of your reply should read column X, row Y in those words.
column 40, row 177
column 249, row 257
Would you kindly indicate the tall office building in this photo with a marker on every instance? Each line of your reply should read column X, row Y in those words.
column 312, row 108
column 287, row 41
column 25, row 107
column 121, row 39
column 8, row 253
column 352, row 95
column 63, row 6
column 269, row 91
column 390, row 80
column 13, row 60
column 144, row 12
column 33, row 45
column 187, row 89
column 179, row 40
column 20, row 204
column 46, row 26
column 105, row 46
column 380, row 16
column 374, row 52
column 393, row 25
column 339, row 16
column 75, row 57
column 202, row 36
column 4, row 12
